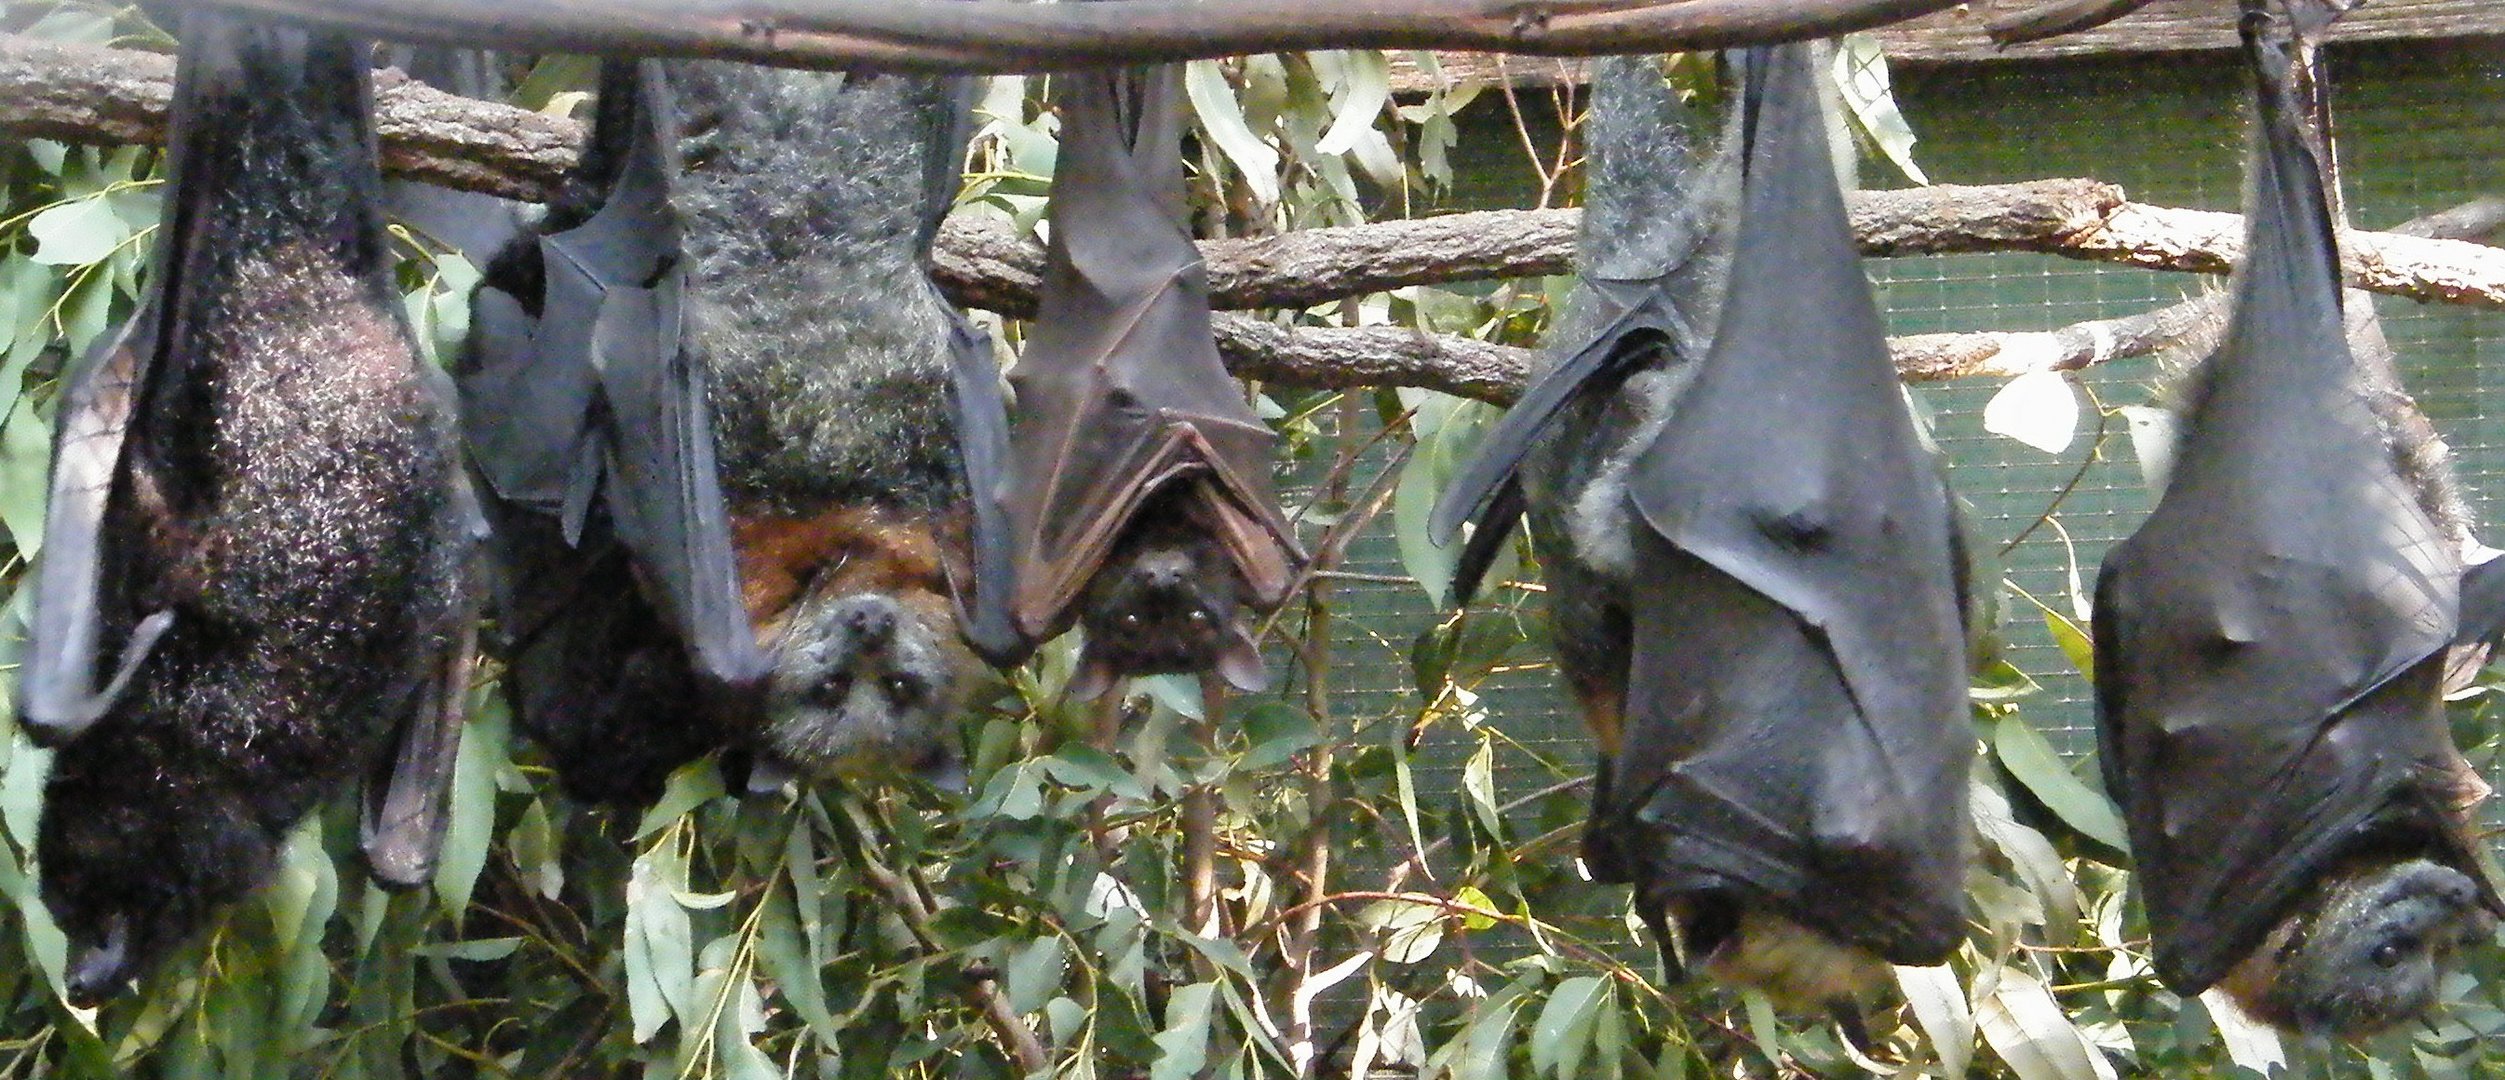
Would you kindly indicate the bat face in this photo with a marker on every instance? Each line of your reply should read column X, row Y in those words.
column 869, row 671
column 2369, row 951
column 128, row 881
column 868, row 681
column 1167, row 601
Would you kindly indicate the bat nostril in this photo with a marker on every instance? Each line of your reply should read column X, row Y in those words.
column 873, row 624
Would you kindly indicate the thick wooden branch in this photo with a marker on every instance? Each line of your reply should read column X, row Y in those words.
column 2061, row 17
column 1005, row 37
column 86, row 94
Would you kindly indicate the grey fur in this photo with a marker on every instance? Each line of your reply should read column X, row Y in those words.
column 810, row 220
column 810, row 203
column 1657, row 198
column 2373, row 950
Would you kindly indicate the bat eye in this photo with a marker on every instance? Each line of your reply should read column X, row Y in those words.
column 1130, row 620
column 904, row 690
column 2387, row 954
column 1199, row 617
column 835, row 688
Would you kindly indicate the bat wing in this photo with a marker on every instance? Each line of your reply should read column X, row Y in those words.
column 1796, row 700
column 1654, row 241
column 407, row 799
column 596, row 397
column 1120, row 391
column 79, row 617
column 2271, row 639
column 1639, row 320
column 73, row 613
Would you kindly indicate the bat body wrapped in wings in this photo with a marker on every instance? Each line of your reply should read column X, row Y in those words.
column 718, row 406
column 257, row 505
column 588, row 417
column 2269, row 648
column 842, row 383
column 1754, row 575
column 1136, row 500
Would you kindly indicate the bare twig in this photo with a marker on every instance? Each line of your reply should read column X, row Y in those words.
column 1303, row 934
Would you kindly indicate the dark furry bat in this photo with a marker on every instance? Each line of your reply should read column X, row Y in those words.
column 257, row 505
column 851, row 400
column 1754, row 573
column 586, row 408
column 2269, row 646
column 1136, row 496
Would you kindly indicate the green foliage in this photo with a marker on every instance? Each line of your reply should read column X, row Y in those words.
column 1168, row 886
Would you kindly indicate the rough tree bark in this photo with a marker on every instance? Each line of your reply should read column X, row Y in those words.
column 89, row 94
column 1057, row 37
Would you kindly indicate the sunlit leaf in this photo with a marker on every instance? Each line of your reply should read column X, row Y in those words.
column 2022, row 1023
column 2038, row 408
column 1204, row 82
column 2033, row 762
column 77, row 233
column 1939, row 1005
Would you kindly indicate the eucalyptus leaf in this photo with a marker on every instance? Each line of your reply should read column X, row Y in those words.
column 77, row 233
column 2026, row 1027
column 1213, row 101
column 2032, row 760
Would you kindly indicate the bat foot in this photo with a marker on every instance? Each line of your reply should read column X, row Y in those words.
column 99, row 970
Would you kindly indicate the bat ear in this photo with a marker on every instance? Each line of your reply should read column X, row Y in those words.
column 1239, row 660
column 2483, row 603
column 1091, row 680
column 767, row 774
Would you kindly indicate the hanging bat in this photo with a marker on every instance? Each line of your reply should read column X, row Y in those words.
column 586, row 409
column 851, row 402
column 2269, row 647
column 1754, row 575
column 1136, row 498
column 258, row 525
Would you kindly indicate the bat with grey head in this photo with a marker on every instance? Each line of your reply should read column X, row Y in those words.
column 1754, row 574
column 2270, row 646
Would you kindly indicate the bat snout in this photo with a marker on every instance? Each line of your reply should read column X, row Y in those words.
column 98, row 969
column 871, row 622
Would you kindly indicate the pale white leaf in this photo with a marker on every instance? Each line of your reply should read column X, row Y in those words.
column 2250, row 1043
column 2038, row 409
column 1941, row 1008
column 2023, row 1024
column 1861, row 74
column 2153, row 442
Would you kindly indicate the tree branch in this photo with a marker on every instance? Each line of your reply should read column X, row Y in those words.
column 1008, row 37
column 2055, row 19
column 87, row 94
